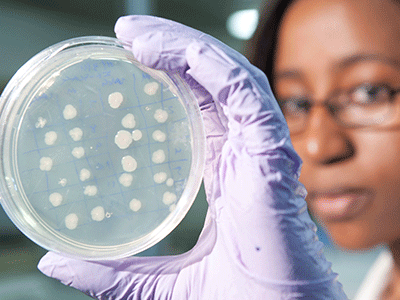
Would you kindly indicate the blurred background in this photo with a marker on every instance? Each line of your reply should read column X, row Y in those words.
column 29, row 26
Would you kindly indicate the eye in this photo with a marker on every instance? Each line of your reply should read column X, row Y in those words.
column 371, row 94
column 293, row 107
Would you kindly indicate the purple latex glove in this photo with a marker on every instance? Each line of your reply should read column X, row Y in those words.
column 258, row 240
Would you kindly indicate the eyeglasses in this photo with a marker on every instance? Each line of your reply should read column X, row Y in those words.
column 363, row 106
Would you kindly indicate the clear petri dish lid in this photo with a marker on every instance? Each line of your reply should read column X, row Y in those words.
column 101, row 156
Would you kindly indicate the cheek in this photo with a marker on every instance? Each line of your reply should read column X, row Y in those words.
column 375, row 164
column 376, row 161
column 378, row 155
column 382, row 165
column 379, row 163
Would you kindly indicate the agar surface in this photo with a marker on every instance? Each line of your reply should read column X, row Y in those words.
column 89, row 184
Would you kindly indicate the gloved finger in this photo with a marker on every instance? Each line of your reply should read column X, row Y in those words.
column 255, row 119
column 131, row 278
column 161, row 44
column 128, row 28
column 170, row 39
column 164, row 44
column 255, row 186
column 158, row 43
column 259, row 168
column 165, row 47
column 260, row 194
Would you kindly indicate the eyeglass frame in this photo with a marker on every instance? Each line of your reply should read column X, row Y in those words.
column 330, row 108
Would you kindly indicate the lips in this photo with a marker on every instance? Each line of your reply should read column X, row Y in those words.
column 342, row 204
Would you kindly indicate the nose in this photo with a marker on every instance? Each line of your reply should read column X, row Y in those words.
column 326, row 141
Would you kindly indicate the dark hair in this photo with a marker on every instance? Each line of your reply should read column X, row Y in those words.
column 260, row 49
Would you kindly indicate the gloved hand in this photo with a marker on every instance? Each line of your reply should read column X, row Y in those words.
column 258, row 240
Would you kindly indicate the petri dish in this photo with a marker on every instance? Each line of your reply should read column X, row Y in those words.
column 101, row 157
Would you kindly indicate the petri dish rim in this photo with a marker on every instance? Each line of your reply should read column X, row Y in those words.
column 17, row 206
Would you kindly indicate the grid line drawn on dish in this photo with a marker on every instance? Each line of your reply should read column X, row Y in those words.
column 77, row 177
column 75, row 113
column 108, row 176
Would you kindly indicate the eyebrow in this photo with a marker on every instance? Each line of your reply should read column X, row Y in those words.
column 357, row 58
column 344, row 63
column 289, row 73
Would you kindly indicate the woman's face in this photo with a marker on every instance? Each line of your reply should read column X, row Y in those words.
column 352, row 175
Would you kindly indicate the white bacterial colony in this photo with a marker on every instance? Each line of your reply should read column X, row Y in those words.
column 159, row 136
column 172, row 207
column 115, row 99
column 123, row 139
column 160, row 177
column 98, row 213
column 63, row 181
column 158, row 156
column 84, row 174
column 129, row 164
column 137, row 135
column 46, row 163
column 76, row 134
column 161, row 115
column 90, row 190
column 55, row 199
column 169, row 198
column 41, row 122
column 170, row 182
column 50, row 138
column 71, row 221
column 69, row 112
column 78, row 152
column 151, row 88
column 128, row 121
column 135, row 205
column 126, row 179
